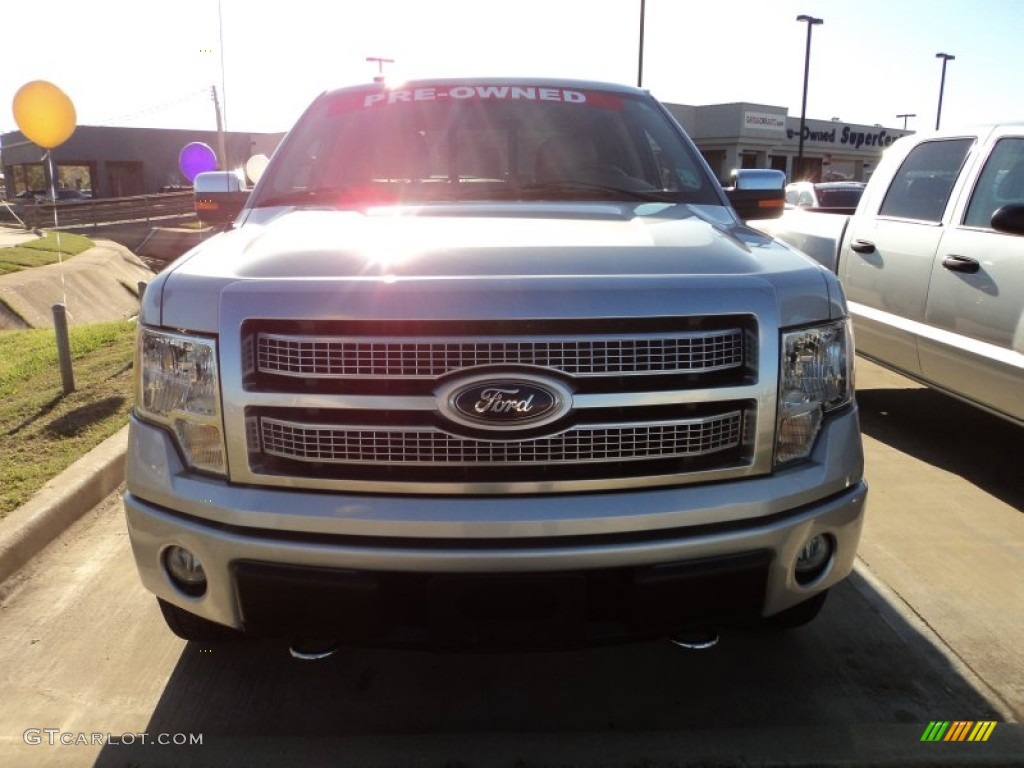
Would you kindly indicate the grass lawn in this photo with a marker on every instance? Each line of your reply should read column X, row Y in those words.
column 42, row 431
column 45, row 250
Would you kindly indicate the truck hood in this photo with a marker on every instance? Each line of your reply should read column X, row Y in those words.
column 482, row 249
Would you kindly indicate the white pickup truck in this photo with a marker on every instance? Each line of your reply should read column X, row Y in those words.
column 492, row 363
column 932, row 262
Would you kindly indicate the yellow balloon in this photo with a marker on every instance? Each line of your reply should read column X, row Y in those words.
column 44, row 113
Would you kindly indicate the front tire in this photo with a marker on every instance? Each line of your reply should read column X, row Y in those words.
column 194, row 628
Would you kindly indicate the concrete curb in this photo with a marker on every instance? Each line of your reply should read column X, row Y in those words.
column 59, row 503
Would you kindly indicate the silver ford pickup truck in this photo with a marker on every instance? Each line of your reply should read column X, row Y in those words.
column 492, row 363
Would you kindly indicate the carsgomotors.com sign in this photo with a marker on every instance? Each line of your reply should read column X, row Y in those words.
column 764, row 121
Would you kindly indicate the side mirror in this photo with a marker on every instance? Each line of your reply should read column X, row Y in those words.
column 218, row 196
column 1009, row 219
column 757, row 193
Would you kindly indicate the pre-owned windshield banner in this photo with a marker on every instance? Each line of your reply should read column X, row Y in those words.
column 457, row 93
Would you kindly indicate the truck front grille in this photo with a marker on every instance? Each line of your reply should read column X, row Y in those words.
column 612, row 355
column 364, row 405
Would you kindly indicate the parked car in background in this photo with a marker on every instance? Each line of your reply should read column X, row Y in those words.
column 44, row 196
column 25, row 204
column 931, row 262
column 68, row 196
column 24, row 200
column 829, row 195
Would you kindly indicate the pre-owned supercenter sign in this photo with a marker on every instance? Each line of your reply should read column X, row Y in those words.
column 849, row 136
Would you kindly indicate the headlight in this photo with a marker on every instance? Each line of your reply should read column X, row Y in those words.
column 816, row 376
column 178, row 387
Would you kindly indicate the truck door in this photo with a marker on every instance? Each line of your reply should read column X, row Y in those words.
column 887, row 258
column 976, row 294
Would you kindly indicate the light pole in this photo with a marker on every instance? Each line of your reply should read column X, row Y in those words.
column 640, row 64
column 811, row 21
column 942, row 85
column 909, row 114
column 380, row 67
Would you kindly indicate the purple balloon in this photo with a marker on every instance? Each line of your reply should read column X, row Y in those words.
column 196, row 158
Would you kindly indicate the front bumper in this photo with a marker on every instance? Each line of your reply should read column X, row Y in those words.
column 290, row 558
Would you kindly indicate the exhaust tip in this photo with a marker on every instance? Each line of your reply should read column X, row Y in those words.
column 312, row 651
column 698, row 640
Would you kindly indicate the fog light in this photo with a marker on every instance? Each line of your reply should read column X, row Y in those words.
column 813, row 558
column 185, row 571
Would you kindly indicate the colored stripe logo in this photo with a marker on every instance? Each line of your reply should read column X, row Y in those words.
column 958, row 730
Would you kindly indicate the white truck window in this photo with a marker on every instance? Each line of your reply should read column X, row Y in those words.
column 1001, row 183
column 923, row 183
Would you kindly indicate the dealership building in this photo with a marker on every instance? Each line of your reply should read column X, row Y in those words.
column 745, row 135
column 118, row 162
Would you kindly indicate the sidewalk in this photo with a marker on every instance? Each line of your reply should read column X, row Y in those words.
column 11, row 236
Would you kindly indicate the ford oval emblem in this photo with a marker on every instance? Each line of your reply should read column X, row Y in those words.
column 504, row 402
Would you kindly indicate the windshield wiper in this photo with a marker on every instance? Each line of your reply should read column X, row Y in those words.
column 604, row 191
column 334, row 196
column 339, row 197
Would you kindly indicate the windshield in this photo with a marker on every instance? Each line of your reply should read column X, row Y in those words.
column 484, row 142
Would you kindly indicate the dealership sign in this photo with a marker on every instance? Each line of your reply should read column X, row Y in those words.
column 848, row 136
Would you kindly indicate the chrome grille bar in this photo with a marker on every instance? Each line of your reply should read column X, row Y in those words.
column 428, row 446
column 336, row 357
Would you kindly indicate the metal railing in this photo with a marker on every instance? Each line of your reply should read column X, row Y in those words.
column 104, row 211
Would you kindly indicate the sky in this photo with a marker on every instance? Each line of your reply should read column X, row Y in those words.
column 152, row 63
